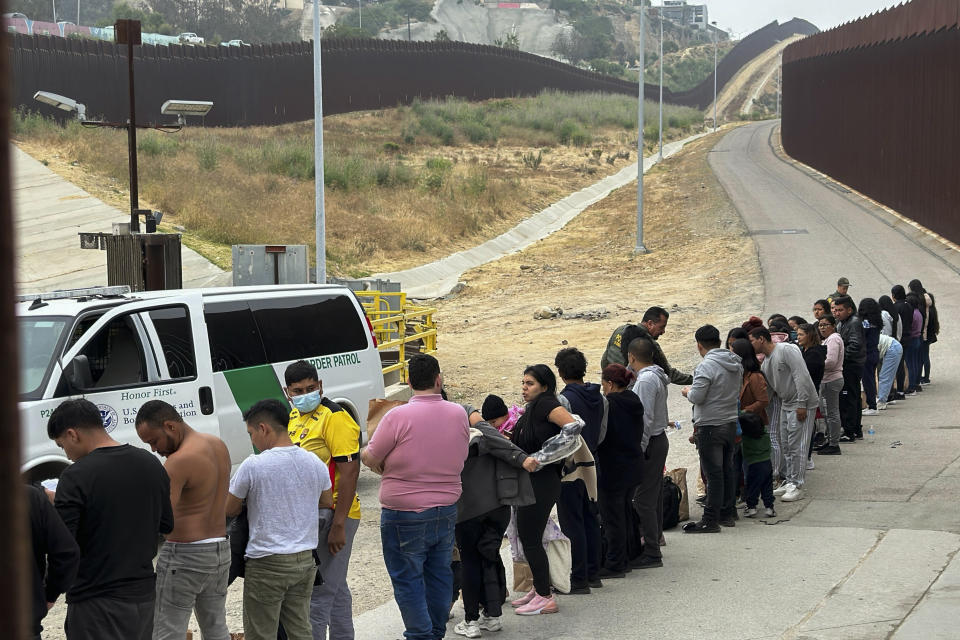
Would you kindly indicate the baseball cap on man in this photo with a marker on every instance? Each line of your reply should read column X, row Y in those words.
column 843, row 282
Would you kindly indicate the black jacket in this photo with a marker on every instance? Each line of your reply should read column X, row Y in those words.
column 854, row 348
column 55, row 554
column 493, row 474
column 621, row 453
column 905, row 315
column 586, row 401
column 814, row 358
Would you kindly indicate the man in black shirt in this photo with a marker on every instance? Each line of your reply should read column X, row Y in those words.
column 850, row 329
column 115, row 500
column 55, row 555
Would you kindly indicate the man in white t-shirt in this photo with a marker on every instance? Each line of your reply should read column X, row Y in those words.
column 283, row 487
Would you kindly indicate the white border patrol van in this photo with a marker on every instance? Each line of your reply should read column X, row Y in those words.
column 211, row 353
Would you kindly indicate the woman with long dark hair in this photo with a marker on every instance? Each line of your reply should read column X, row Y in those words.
column 542, row 419
column 914, row 339
column 831, row 385
column 888, row 311
column 931, row 326
column 869, row 312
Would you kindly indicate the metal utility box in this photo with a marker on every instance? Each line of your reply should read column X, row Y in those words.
column 143, row 261
column 259, row 264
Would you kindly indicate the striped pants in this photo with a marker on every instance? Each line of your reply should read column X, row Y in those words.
column 773, row 419
column 794, row 439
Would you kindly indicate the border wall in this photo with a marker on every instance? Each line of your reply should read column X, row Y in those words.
column 875, row 103
column 273, row 84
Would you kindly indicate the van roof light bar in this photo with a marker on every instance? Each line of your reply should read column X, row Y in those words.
column 63, row 294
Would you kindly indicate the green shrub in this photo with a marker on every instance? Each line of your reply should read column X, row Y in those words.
column 476, row 182
column 207, row 154
column 157, row 144
column 437, row 128
column 566, row 131
column 439, row 164
column 531, row 161
column 292, row 159
column 581, row 138
column 477, row 132
column 391, row 147
column 348, row 173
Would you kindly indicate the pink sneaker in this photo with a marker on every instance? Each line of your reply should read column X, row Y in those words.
column 525, row 599
column 538, row 605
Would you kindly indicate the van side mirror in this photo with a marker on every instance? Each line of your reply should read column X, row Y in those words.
column 78, row 374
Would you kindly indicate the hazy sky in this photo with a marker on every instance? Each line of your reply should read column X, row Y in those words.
column 744, row 16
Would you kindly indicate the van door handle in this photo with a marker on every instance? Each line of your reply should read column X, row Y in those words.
column 206, row 400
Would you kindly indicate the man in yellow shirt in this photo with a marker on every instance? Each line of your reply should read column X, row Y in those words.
column 324, row 428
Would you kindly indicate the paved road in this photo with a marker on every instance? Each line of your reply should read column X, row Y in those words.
column 870, row 553
column 50, row 212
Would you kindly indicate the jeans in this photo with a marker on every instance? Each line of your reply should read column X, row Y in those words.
column 417, row 548
column 925, row 361
column 578, row 521
column 276, row 589
column 331, row 604
column 850, row 403
column 715, row 446
column 109, row 619
column 650, row 495
column 192, row 577
column 759, row 483
column 532, row 520
column 870, row 379
column 830, row 407
column 888, row 370
column 484, row 577
column 912, row 355
column 795, row 438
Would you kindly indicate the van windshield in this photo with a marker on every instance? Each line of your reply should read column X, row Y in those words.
column 40, row 338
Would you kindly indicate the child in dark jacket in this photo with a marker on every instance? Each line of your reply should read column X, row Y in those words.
column 756, row 460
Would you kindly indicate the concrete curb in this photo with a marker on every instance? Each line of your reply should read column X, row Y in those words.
column 438, row 278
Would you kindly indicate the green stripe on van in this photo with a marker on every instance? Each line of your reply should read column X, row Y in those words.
column 253, row 384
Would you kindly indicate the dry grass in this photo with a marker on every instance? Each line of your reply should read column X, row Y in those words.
column 403, row 186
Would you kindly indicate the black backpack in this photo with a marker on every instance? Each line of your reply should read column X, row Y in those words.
column 671, row 503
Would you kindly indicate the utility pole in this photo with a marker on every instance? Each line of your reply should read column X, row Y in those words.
column 320, row 215
column 715, row 47
column 640, row 248
column 128, row 32
column 360, row 9
column 661, row 81
column 54, row 3
column 408, row 28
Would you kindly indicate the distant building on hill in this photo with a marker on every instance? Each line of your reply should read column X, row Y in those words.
column 687, row 15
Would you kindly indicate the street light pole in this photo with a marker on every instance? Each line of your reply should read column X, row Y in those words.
column 360, row 10
column 320, row 214
column 715, row 47
column 661, row 82
column 54, row 3
column 640, row 248
column 128, row 32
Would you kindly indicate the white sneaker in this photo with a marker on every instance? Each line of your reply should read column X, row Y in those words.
column 869, row 412
column 490, row 623
column 793, row 494
column 783, row 488
column 882, row 406
column 769, row 512
column 810, row 465
column 468, row 629
column 750, row 512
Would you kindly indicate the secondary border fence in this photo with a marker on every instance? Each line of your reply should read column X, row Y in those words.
column 875, row 103
column 273, row 83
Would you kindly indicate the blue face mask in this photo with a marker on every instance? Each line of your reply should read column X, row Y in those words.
column 307, row 402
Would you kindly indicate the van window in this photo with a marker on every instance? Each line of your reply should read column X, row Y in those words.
column 234, row 339
column 295, row 328
column 176, row 340
column 116, row 354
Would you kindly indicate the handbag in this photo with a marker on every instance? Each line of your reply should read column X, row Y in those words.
column 679, row 477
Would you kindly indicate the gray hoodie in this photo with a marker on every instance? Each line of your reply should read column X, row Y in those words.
column 715, row 392
column 788, row 376
column 651, row 387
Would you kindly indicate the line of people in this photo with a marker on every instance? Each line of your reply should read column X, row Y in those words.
column 454, row 477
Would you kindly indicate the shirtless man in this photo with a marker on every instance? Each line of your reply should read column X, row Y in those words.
column 194, row 562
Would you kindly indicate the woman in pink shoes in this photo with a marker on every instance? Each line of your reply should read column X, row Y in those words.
column 542, row 419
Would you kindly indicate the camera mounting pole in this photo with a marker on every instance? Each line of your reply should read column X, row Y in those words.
column 128, row 32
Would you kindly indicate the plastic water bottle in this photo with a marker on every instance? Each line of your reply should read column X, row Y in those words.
column 871, row 431
column 676, row 425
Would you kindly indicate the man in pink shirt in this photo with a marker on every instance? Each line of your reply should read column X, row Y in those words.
column 419, row 448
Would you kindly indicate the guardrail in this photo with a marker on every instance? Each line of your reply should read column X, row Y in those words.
column 396, row 324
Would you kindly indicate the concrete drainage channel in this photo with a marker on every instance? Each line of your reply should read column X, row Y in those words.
column 437, row 279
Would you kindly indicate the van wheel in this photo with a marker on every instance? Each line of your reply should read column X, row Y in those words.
column 43, row 472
